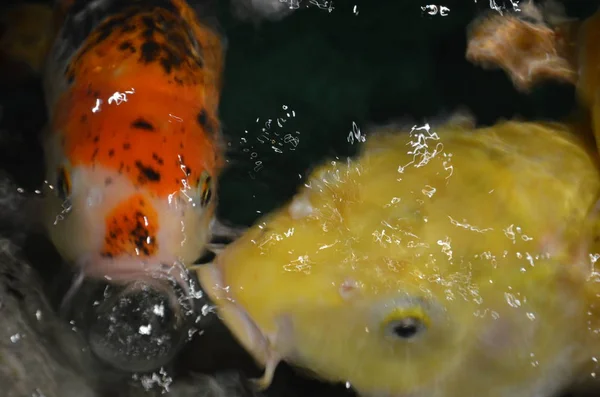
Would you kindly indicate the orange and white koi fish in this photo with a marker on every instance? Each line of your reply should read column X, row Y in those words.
column 531, row 45
column 547, row 45
column 132, row 150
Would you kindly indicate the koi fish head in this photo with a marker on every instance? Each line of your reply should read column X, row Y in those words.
column 129, row 209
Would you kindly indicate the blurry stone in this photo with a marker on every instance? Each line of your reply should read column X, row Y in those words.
column 30, row 362
column 225, row 384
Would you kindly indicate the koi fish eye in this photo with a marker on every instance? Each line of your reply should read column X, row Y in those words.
column 205, row 189
column 63, row 183
column 405, row 324
column 406, row 328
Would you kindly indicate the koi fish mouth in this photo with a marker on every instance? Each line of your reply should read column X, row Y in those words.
column 239, row 322
column 162, row 274
column 140, row 320
column 137, row 328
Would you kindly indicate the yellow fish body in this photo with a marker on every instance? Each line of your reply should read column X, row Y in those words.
column 451, row 263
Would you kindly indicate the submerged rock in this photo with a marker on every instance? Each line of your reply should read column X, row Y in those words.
column 30, row 362
column 43, row 355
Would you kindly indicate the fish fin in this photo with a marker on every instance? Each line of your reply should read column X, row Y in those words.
column 308, row 373
column 221, row 236
column 67, row 300
column 528, row 47
column 577, row 246
column 266, row 379
column 460, row 117
column 221, row 230
column 214, row 250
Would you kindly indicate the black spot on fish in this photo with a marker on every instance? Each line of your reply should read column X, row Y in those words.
column 104, row 18
column 147, row 174
column 205, row 123
column 150, row 26
column 202, row 118
column 126, row 146
column 206, row 193
column 140, row 235
column 150, row 51
column 142, row 124
column 107, row 28
column 127, row 46
column 111, row 152
column 157, row 158
column 178, row 42
column 167, row 67
column 108, row 181
column 92, row 93
column 171, row 59
column 70, row 76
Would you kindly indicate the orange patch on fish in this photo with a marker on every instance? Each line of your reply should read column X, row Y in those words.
column 159, row 152
column 131, row 229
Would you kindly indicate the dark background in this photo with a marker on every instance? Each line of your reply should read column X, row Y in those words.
column 391, row 62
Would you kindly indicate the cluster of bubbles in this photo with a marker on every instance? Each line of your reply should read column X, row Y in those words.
column 272, row 133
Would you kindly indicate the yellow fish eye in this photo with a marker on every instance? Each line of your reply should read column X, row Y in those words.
column 405, row 324
column 205, row 188
column 63, row 183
